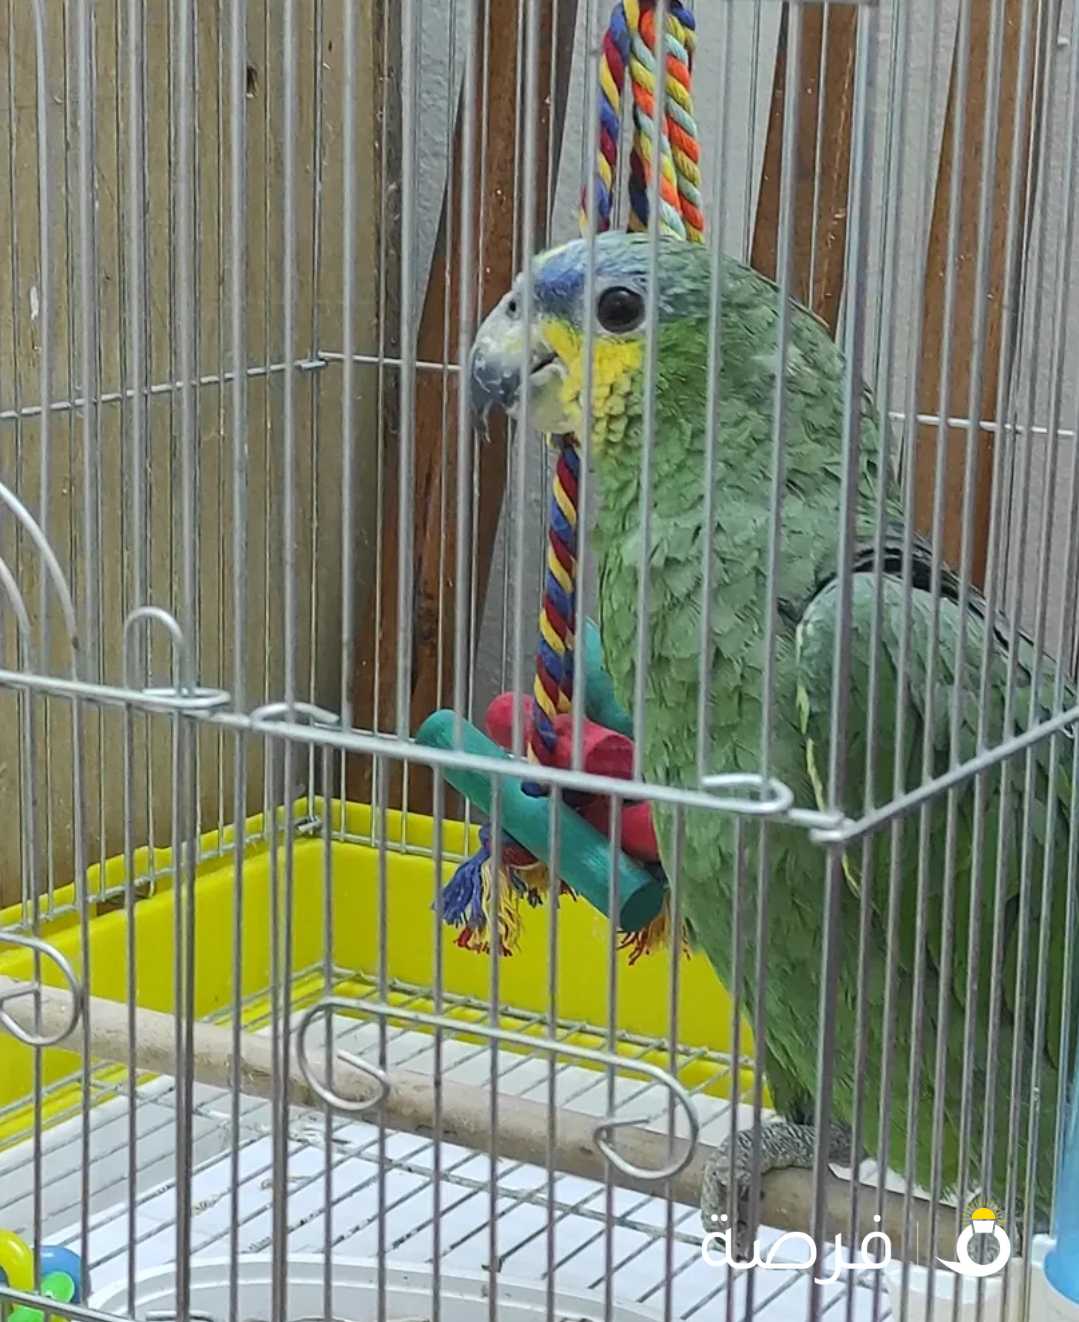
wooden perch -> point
(787, 1196)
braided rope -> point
(614, 57)
(630, 43)
(553, 687)
(476, 895)
(680, 175)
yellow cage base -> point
(704, 1009)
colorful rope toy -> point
(474, 891)
(61, 1276)
(630, 42)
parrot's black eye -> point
(511, 306)
(620, 310)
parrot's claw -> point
(783, 1144)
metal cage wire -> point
(220, 225)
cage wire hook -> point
(22, 615)
(422, 1019)
(349, 1105)
(181, 696)
(779, 800)
(277, 711)
(52, 568)
(43, 948)
(605, 1127)
(26, 735)
(272, 713)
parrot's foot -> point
(783, 1144)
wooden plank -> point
(1008, 97)
(28, 323)
(817, 260)
(434, 617)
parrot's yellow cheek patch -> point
(616, 364)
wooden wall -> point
(114, 472)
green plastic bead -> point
(58, 1286)
(24, 1314)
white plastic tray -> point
(464, 1298)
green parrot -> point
(927, 1037)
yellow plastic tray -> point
(704, 1012)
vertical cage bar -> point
(649, 392)
(553, 969)
(465, 331)
(348, 348)
(521, 433)
(89, 639)
(407, 370)
(45, 317)
(329, 1051)
(283, 915)
(614, 906)
(927, 824)
(854, 348)
(584, 437)
(31, 878)
(237, 327)
(184, 845)
(437, 1005)
(494, 1007)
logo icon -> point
(983, 1221)
(722, 1239)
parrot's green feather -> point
(965, 993)
(806, 617)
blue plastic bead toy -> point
(61, 1275)
(56, 1258)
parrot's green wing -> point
(913, 722)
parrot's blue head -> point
(547, 353)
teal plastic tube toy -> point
(600, 704)
(584, 854)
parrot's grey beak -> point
(502, 348)
(493, 382)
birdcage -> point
(338, 981)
